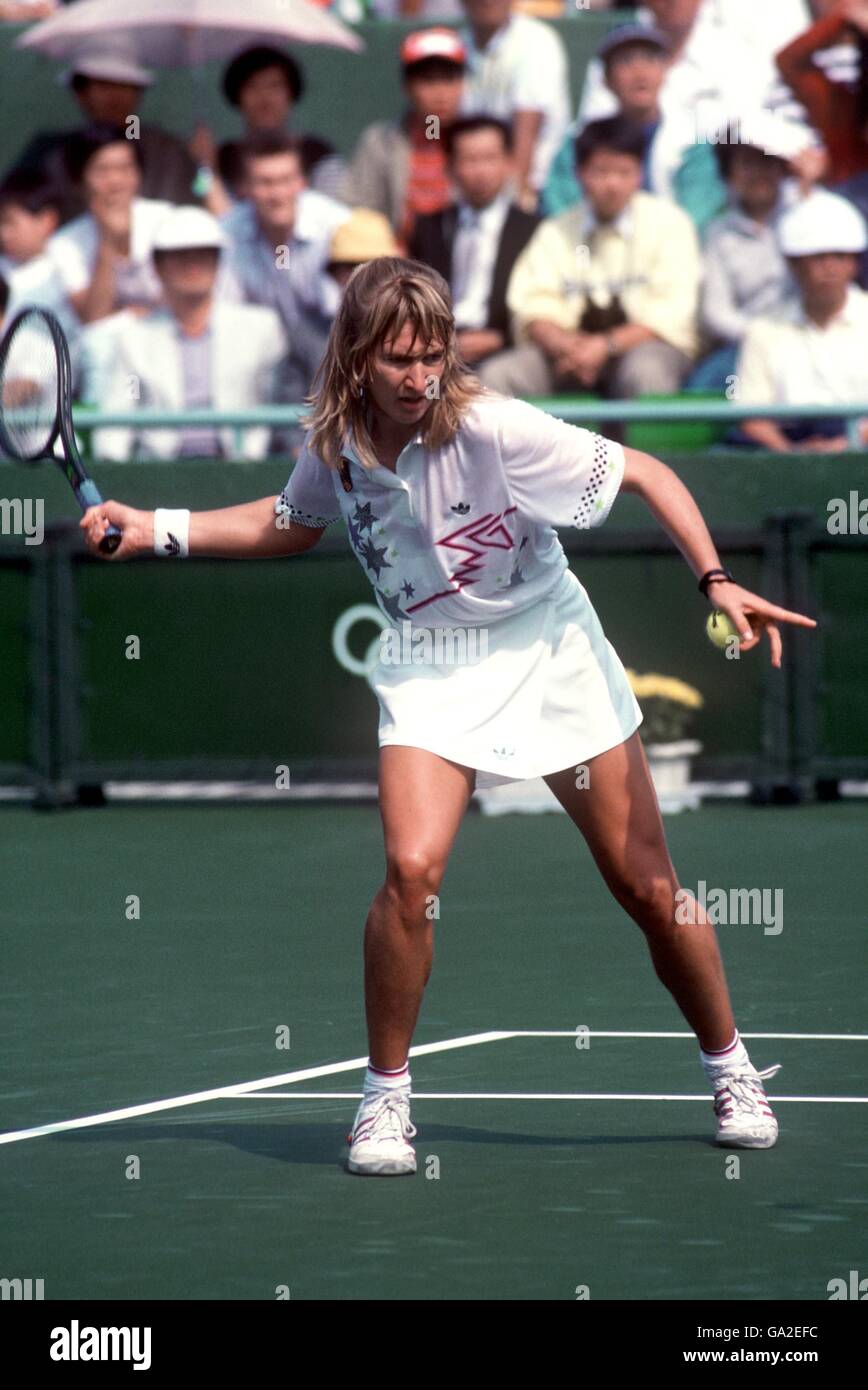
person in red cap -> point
(400, 168)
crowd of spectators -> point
(698, 223)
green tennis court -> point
(249, 936)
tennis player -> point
(450, 495)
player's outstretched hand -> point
(752, 616)
(137, 527)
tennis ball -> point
(719, 629)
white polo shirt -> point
(74, 249)
(465, 534)
(787, 359)
(523, 67)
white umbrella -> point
(185, 33)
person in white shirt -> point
(29, 216)
(103, 258)
(450, 496)
(475, 242)
(813, 350)
(194, 353)
(517, 69)
(716, 73)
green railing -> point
(237, 672)
(675, 410)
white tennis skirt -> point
(548, 693)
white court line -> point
(592, 1033)
(221, 1092)
(541, 1095)
(333, 1068)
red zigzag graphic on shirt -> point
(475, 538)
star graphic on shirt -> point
(408, 588)
(391, 604)
(373, 558)
(364, 516)
(354, 533)
(516, 578)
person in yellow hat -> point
(364, 236)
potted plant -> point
(668, 705)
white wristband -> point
(171, 533)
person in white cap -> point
(108, 84)
(196, 352)
(813, 350)
(450, 496)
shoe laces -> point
(745, 1088)
(387, 1117)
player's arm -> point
(250, 531)
(673, 505)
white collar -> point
(304, 228)
(745, 223)
(623, 224)
(491, 213)
(848, 315)
(496, 41)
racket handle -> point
(89, 495)
(111, 540)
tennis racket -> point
(36, 405)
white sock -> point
(731, 1058)
(378, 1079)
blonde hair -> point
(380, 299)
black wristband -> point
(712, 576)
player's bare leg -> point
(619, 817)
(422, 802)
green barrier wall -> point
(237, 672)
(345, 91)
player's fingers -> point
(741, 624)
(774, 635)
(96, 529)
(781, 615)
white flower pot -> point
(670, 769)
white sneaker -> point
(744, 1116)
(378, 1142)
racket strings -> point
(29, 389)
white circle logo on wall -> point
(360, 612)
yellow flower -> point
(655, 687)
